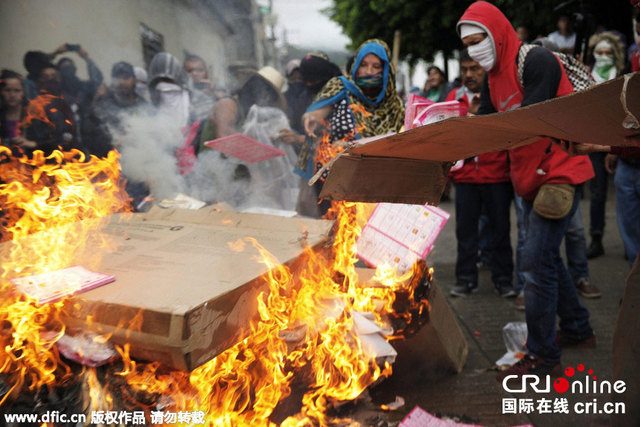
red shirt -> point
(488, 168)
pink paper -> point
(418, 417)
(244, 148)
(56, 285)
(415, 105)
(440, 111)
(399, 234)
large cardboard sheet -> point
(594, 116)
(187, 282)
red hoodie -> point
(488, 168)
(540, 162)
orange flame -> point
(305, 333)
(43, 199)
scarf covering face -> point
(354, 115)
(374, 117)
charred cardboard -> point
(183, 294)
(406, 168)
(438, 347)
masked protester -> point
(542, 174)
(482, 185)
(609, 59)
(361, 105)
(168, 88)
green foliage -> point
(428, 26)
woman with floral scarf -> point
(364, 104)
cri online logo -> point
(588, 384)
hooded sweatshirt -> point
(540, 162)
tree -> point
(428, 26)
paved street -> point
(475, 395)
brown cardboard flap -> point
(377, 179)
(381, 171)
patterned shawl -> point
(354, 115)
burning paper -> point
(53, 286)
(244, 148)
(399, 235)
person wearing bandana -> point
(542, 174)
(364, 104)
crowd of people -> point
(324, 107)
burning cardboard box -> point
(187, 282)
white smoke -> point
(148, 149)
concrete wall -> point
(109, 31)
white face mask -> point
(603, 60)
(483, 53)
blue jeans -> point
(470, 201)
(519, 202)
(598, 186)
(627, 183)
(548, 289)
(576, 248)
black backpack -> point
(578, 74)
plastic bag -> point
(515, 339)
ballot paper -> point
(418, 417)
(398, 234)
(440, 111)
(55, 285)
(415, 105)
(244, 148)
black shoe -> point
(595, 249)
(462, 289)
(506, 290)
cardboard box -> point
(439, 347)
(405, 167)
(187, 283)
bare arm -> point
(224, 115)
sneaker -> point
(567, 340)
(519, 301)
(586, 289)
(506, 290)
(462, 289)
(532, 365)
(595, 249)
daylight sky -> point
(306, 26)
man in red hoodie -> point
(482, 185)
(549, 291)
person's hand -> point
(310, 125)
(290, 137)
(83, 53)
(23, 142)
(610, 163)
(474, 105)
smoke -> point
(148, 148)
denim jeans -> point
(519, 203)
(576, 248)
(548, 289)
(627, 183)
(470, 199)
(598, 187)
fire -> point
(43, 199)
(303, 350)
